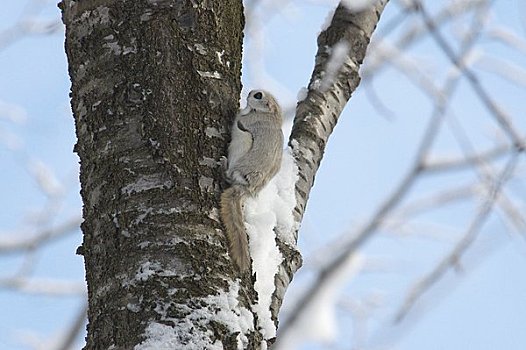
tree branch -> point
(341, 50)
(16, 244)
(469, 237)
(499, 115)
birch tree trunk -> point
(155, 86)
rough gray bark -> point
(155, 85)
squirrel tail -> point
(232, 215)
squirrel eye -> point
(258, 95)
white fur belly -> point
(239, 146)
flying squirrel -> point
(254, 157)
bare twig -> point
(467, 161)
(43, 286)
(408, 66)
(471, 234)
(16, 243)
(504, 69)
(72, 332)
(500, 115)
(417, 32)
(436, 200)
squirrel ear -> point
(272, 107)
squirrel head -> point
(262, 101)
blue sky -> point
(483, 308)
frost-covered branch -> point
(458, 163)
(67, 339)
(50, 287)
(29, 24)
(435, 200)
(453, 258)
(18, 242)
(501, 117)
(22, 281)
(415, 33)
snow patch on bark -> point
(338, 55)
(302, 94)
(213, 132)
(213, 75)
(145, 183)
(220, 56)
(328, 20)
(358, 5)
(206, 184)
(90, 19)
(223, 308)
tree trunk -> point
(155, 85)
